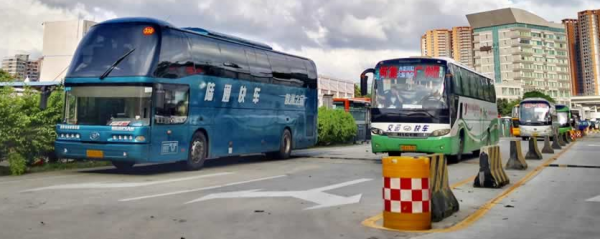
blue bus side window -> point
(175, 60)
(206, 55)
(235, 63)
(260, 68)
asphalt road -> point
(320, 193)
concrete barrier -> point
(547, 148)
(555, 144)
(534, 151)
(561, 140)
(406, 194)
(491, 173)
(516, 160)
(443, 201)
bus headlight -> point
(376, 131)
(440, 132)
(140, 138)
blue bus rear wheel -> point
(285, 146)
(197, 152)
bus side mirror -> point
(363, 81)
(159, 97)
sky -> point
(343, 37)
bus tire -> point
(197, 152)
(123, 166)
(461, 148)
(395, 154)
(476, 153)
(285, 146)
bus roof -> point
(198, 31)
(137, 20)
(361, 100)
(536, 100)
(562, 108)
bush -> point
(17, 162)
(24, 128)
(335, 126)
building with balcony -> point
(437, 43)
(456, 43)
(583, 35)
(21, 67)
(462, 45)
(522, 52)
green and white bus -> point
(537, 118)
(430, 105)
(563, 114)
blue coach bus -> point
(141, 90)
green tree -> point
(357, 91)
(26, 131)
(335, 126)
(505, 106)
(537, 94)
(5, 77)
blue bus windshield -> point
(105, 43)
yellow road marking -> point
(372, 221)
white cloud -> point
(348, 63)
(369, 27)
(343, 37)
(21, 23)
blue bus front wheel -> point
(197, 152)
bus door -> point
(170, 131)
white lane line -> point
(340, 185)
(316, 195)
(199, 189)
(123, 185)
(593, 145)
(38, 178)
(594, 199)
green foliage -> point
(24, 128)
(17, 163)
(335, 126)
(505, 106)
(537, 94)
(357, 91)
(5, 77)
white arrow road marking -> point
(199, 189)
(594, 199)
(123, 185)
(316, 195)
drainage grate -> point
(572, 166)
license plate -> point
(95, 154)
(408, 147)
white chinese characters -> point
(293, 99)
(241, 97)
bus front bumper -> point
(109, 152)
(538, 131)
(384, 144)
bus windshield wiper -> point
(112, 67)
